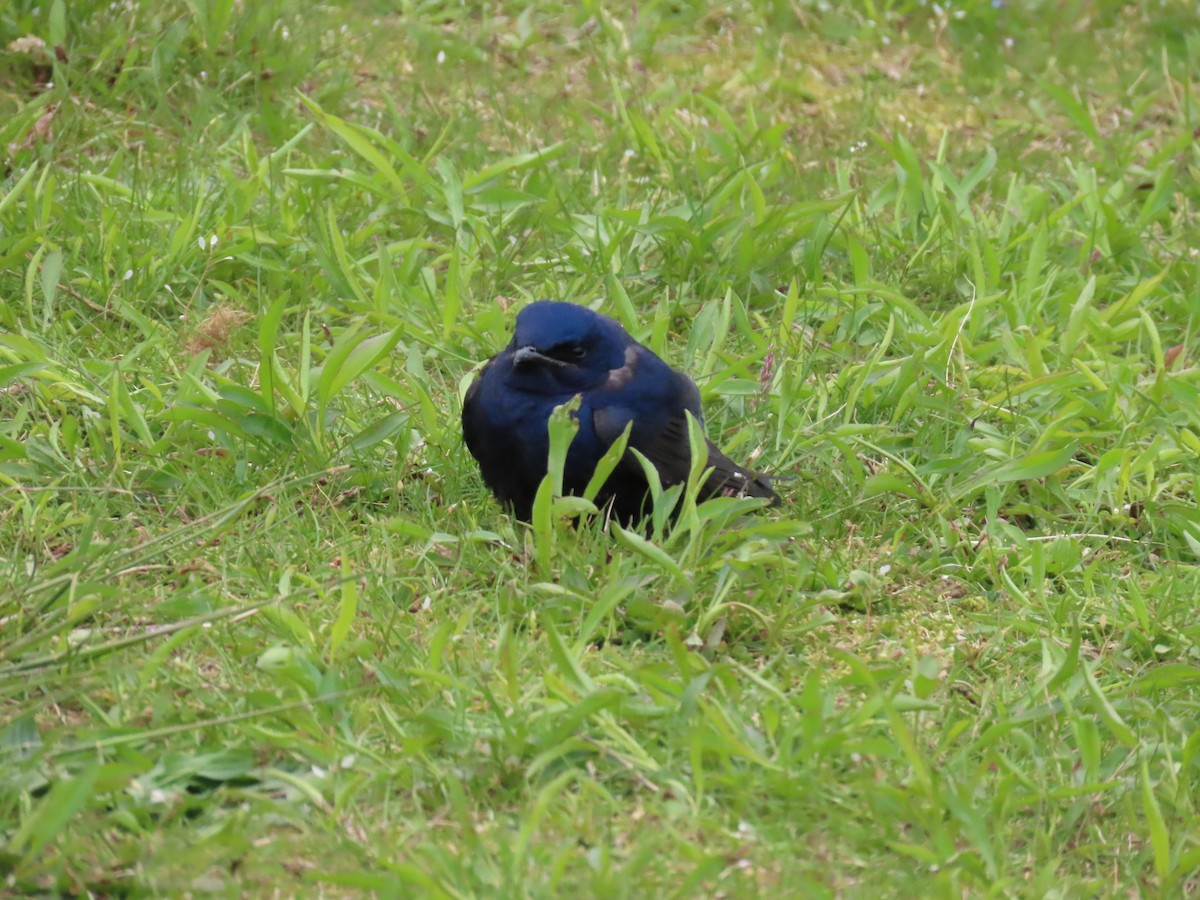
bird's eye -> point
(568, 354)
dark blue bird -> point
(559, 350)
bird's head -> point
(561, 346)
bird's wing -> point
(669, 449)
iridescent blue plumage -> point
(559, 350)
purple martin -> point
(558, 351)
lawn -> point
(264, 631)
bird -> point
(559, 350)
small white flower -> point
(630, 153)
(212, 241)
(348, 761)
(203, 75)
(128, 274)
(200, 241)
(884, 569)
(1008, 42)
(426, 603)
(441, 57)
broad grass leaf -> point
(358, 141)
(1107, 714)
(1160, 837)
(268, 335)
(650, 551)
(65, 798)
(352, 354)
(347, 608)
(14, 373)
(474, 182)
(608, 462)
(19, 187)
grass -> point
(266, 631)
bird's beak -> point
(529, 356)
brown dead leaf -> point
(41, 132)
(216, 329)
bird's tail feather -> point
(729, 479)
